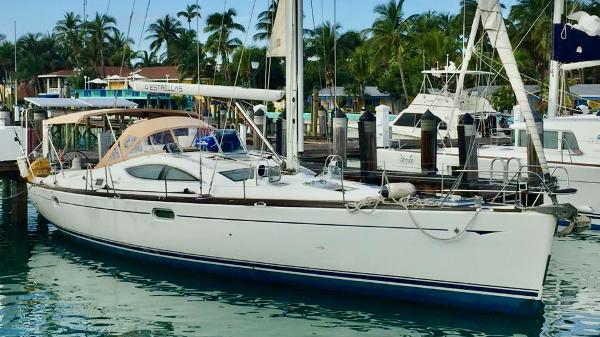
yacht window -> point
(570, 143)
(551, 140)
(177, 175)
(151, 171)
(522, 138)
(239, 174)
(408, 119)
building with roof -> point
(585, 94)
(373, 97)
(113, 84)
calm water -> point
(49, 287)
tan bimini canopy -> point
(137, 141)
(80, 117)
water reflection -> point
(50, 286)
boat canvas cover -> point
(80, 117)
(578, 42)
(99, 102)
(132, 141)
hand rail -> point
(330, 160)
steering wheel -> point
(68, 156)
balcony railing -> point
(121, 93)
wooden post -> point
(340, 134)
(315, 112)
(367, 143)
(260, 119)
(428, 143)
(18, 214)
(467, 149)
(533, 162)
(280, 133)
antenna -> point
(16, 107)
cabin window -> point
(159, 172)
(238, 174)
(570, 143)
(172, 173)
(408, 119)
(522, 138)
(151, 172)
(551, 140)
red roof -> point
(158, 73)
(60, 73)
(152, 73)
(110, 71)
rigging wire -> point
(221, 33)
(239, 67)
(125, 43)
(143, 26)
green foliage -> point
(390, 54)
(503, 99)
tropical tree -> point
(163, 32)
(119, 49)
(388, 36)
(146, 59)
(266, 19)
(242, 62)
(190, 12)
(68, 31)
(221, 42)
(360, 67)
(532, 23)
(100, 30)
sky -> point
(42, 15)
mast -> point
(293, 74)
(493, 24)
(16, 105)
(554, 65)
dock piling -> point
(340, 134)
(428, 143)
(467, 149)
(367, 143)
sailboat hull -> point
(497, 264)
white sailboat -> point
(226, 210)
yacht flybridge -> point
(175, 190)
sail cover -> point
(577, 42)
(220, 91)
(277, 40)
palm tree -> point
(190, 12)
(69, 34)
(432, 34)
(119, 49)
(100, 30)
(146, 59)
(388, 36)
(360, 67)
(538, 40)
(320, 45)
(163, 32)
(221, 42)
(242, 60)
(265, 23)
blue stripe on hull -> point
(495, 303)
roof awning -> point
(98, 81)
(80, 117)
(47, 102)
(96, 102)
(108, 102)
